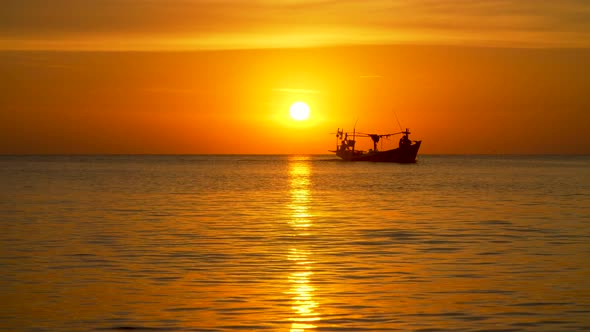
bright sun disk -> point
(299, 111)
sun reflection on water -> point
(302, 291)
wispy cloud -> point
(297, 91)
(177, 91)
(184, 24)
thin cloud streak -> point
(162, 90)
(297, 91)
(231, 24)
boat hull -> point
(404, 155)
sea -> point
(296, 243)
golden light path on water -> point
(304, 306)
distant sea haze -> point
(294, 243)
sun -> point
(299, 111)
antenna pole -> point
(400, 126)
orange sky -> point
(136, 76)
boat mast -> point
(353, 141)
(353, 135)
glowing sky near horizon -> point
(212, 76)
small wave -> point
(136, 328)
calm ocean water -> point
(294, 243)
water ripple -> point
(294, 243)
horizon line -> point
(507, 46)
(272, 154)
